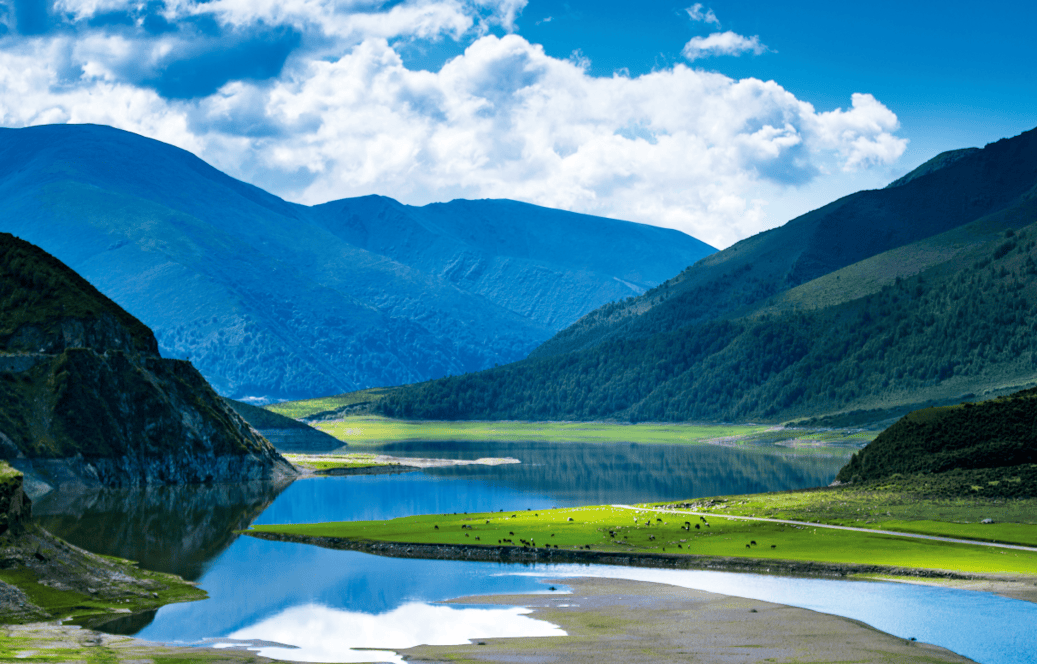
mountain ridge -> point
(85, 398)
(273, 299)
(738, 337)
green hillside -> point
(990, 447)
(84, 395)
(949, 317)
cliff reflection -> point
(176, 529)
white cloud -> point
(722, 43)
(678, 147)
(695, 13)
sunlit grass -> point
(377, 430)
(875, 507)
(307, 407)
(611, 529)
(323, 462)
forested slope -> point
(946, 193)
(950, 317)
(990, 447)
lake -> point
(327, 602)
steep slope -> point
(989, 447)
(941, 319)
(958, 189)
(46, 578)
(277, 300)
(86, 399)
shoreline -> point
(1008, 585)
(619, 620)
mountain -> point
(987, 448)
(871, 306)
(276, 300)
(86, 399)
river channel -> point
(304, 603)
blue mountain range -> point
(273, 300)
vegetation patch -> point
(370, 430)
(52, 643)
(643, 531)
(328, 406)
(900, 507)
(323, 463)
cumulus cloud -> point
(678, 147)
(722, 43)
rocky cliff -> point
(86, 399)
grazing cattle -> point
(510, 533)
(747, 546)
(774, 546)
(436, 527)
(697, 527)
(651, 537)
(753, 542)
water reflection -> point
(600, 473)
(176, 529)
(981, 626)
(324, 634)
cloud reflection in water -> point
(325, 634)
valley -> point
(488, 397)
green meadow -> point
(309, 407)
(326, 462)
(371, 430)
(897, 507)
(613, 529)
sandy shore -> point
(622, 621)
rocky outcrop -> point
(15, 506)
(85, 398)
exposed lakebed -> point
(259, 589)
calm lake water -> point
(326, 602)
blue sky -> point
(720, 119)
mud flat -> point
(609, 620)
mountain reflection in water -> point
(175, 529)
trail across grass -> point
(901, 507)
(615, 529)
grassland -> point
(327, 405)
(371, 430)
(624, 530)
(324, 463)
(53, 643)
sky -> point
(721, 119)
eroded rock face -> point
(15, 506)
(85, 398)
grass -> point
(77, 606)
(308, 407)
(611, 529)
(371, 430)
(325, 462)
(895, 507)
(52, 643)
